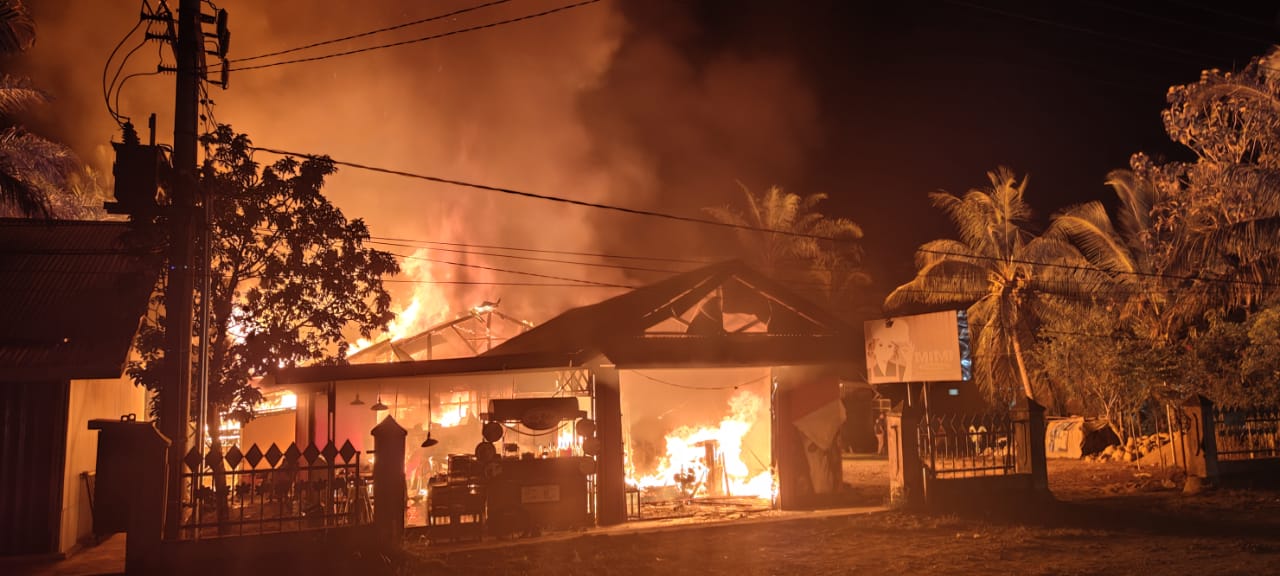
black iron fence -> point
(1247, 434)
(273, 490)
(966, 445)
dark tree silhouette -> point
(291, 275)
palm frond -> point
(39, 158)
(17, 28)
(1089, 227)
(23, 198)
(17, 94)
(1137, 197)
(942, 282)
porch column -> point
(611, 484)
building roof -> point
(720, 315)
(724, 313)
(73, 296)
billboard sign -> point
(930, 347)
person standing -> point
(881, 435)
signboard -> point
(930, 347)
(541, 493)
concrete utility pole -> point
(175, 399)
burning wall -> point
(672, 416)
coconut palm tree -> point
(811, 247)
(1134, 252)
(30, 166)
(1000, 271)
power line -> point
(120, 87)
(1177, 22)
(1086, 31)
(1208, 8)
(513, 192)
(545, 251)
(372, 32)
(417, 40)
(520, 284)
(1076, 268)
(534, 258)
(651, 213)
(688, 387)
(106, 91)
(508, 271)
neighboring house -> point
(72, 295)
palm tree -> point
(30, 166)
(1135, 253)
(811, 245)
(1000, 271)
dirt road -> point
(1108, 519)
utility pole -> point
(175, 399)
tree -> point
(1096, 365)
(290, 275)
(31, 168)
(1000, 271)
(834, 266)
(1235, 361)
(1226, 203)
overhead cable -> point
(372, 32)
(414, 40)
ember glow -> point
(687, 465)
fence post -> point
(1028, 443)
(389, 498)
(1200, 444)
(906, 475)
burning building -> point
(714, 383)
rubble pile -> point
(1135, 449)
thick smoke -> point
(604, 103)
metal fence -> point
(966, 445)
(274, 491)
(1247, 434)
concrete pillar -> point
(611, 479)
(906, 474)
(389, 490)
(1028, 443)
(133, 457)
(1200, 443)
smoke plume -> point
(611, 102)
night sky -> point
(925, 95)
(667, 105)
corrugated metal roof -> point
(71, 297)
(616, 327)
(799, 332)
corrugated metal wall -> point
(33, 425)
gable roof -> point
(622, 329)
(686, 320)
(71, 298)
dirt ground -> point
(1106, 518)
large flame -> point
(687, 450)
(453, 410)
(428, 304)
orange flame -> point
(687, 454)
(454, 408)
(428, 305)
